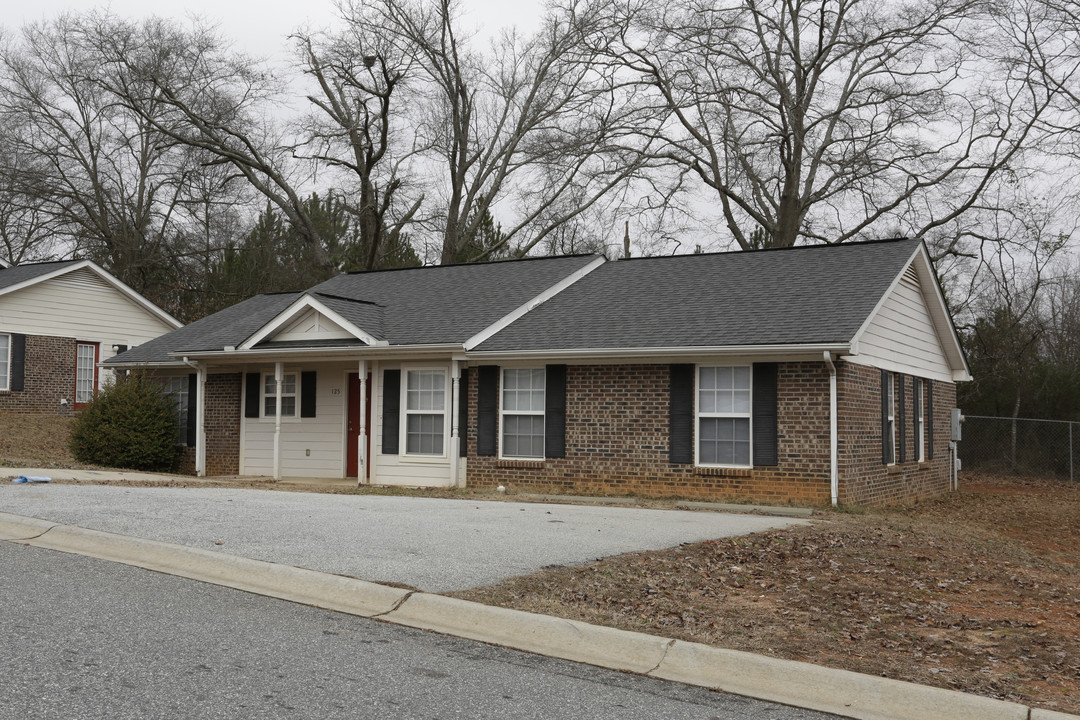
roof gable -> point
(18, 277)
(306, 318)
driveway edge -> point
(840, 692)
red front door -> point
(352, 468)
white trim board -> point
(293, 311)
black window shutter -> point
(487, 409)
(681, 431)
(555, 412)
(916, 398)
(252, 395)
(764, 414)
(309, 390)
(463, 412)
(886, 447)
(192, 408)
(900, 422)
(391, 411)
(18, 361)
(120, 349)
(929, 419)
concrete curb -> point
(554, 637)
(17, 527)
(332, 592)
(778, 510)
(840, 692)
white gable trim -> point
(936, 307)
(543, 297)
(107, 277)
(293, 312)
(4, 263)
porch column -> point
(277, 420)
(200, 421)
(455, 446)
(361, 438)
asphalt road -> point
(432, 544)
(83, 638)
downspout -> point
(200, 417)
(455, 395)
(362, 435)
(834, 473)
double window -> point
(288, 395)
(522, 412)
(723, 416)
(425, 412)
(5, 362)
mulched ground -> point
(978, 591)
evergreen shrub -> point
(130, 424)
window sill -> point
(724, 471)
(524, 464)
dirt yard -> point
(979, 591)
(35, 441)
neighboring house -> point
(809, 374)
(58, 322)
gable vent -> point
(911, 276)
(81, 278)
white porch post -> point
(361, 439)
(200, 422)
(277, 420)
(455, 446)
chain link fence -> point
(1025, 447)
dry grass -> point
(36, 441)
(978, 591)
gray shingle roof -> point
(231, 326)
(416, 306)
(21, 273)
(819, 294)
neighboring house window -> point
(920, 419)
(288, 395)
(890, 418)
(723, 416)
(176, 390)
(522, 412)
(5, 362)
(86, 372)
(425, 411)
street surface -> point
(435, 545)
(83, 638)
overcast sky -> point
(260, 28)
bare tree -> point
(828, 120)
(523, 131)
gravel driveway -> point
(435, 545)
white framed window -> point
(86, 372)
(521, 412)
(288, 395)
(176, 390)
(890, 417)
(424, 419)
(723, 416)
(5, 361)
(920, 419)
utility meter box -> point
(957, 421)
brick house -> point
(58, 322)
(812, 374)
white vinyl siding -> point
(5, 361)
(723, 416)
(424, 412)
(289, 395)
(80, 305)
(310, 447)
(311, 325)
(902, 336)
(521, 413)
(85, 372)
(401, 469)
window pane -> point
(269, 386)
(724, 441)
(523, 436)
(269, 406)
(723, 378)
(288, 384)
(288, 406)
(741, 378)
(741, 402)
(424, 434)
(84, 373)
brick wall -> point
(864, 479)
(617, 419)
(49, 376)
(223, 423)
